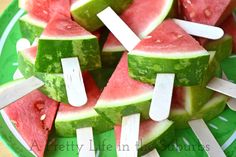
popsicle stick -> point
(162, 96)
(22, 44)
(200, 30)
(10, 94)
(223, 87)
(153, 153)
(85, 142)
(129, 135)
(74, 82)
(206, 138)
(231, 102)
(118, 27)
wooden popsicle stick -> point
(205, 137)
(85, 141)
(22, 44)
(10, 94)
(118, 27)
(200, 30)
(129, 135)
(74, 81)
(162, 96)
(153, 153)
(231, 103)
(223, 87)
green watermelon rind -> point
(111, 59)
(31, 28)
(86, 13)
(66, 124)
(115, 110)
(159, 138)
(189, 69)
(86, 48)
(210, 110)
(54, 83)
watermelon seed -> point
(158, 41)
(45, 12)
(39, 106)
(192, 14)
(207, 12)
(43, 117)
(148, 37)
(69, 27)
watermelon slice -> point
(207, 11)
(151, 135)
(229, 27)
(142, 24)
(123, 95)
(54, 83)
(33, 117)
(169, 49)
(70, 118)
(64, 38)
(209, 111)
(85, 12)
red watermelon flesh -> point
(33, 116)
(121, 86)
(61, 25)
(93, 93)
(211, 12)
(229, 27)
(169, 38)
(141, 21)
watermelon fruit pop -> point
(142, 24)
(32, 117)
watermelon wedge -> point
(142, 24)
(70, 118)
(85, 12)
(210, 110)
(54, 83)
(229, 26)
(169, 49)
(63, 38)
(151, 135)
(123, 95)
(33, 117)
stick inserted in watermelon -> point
(206, 138)
(153, 153)
(74, 81)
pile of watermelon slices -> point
(116, 82)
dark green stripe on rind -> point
(114, 113)
(54, 83)
(110, 59)
(188, 71)
(67, 127)
(86, 15)
(30, 31)
(159, 142)
(50, 52)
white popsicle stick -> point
(118, 27)
(162, 96)
(200, 30)
(22, 44)
(85, 141)
(223, 86)
(10, 94)
(74, 81)
(153, 153)
(231, 102)
(206, 138)
(129, 135)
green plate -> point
(186, 143)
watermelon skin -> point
(189, 71)
(87, 50)
(70, 118)
(111, 58)
(210, 110)
(151, 135)
(54, 83)
(223, 47)
(30, 27)
(26, 113)
(86, 14)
